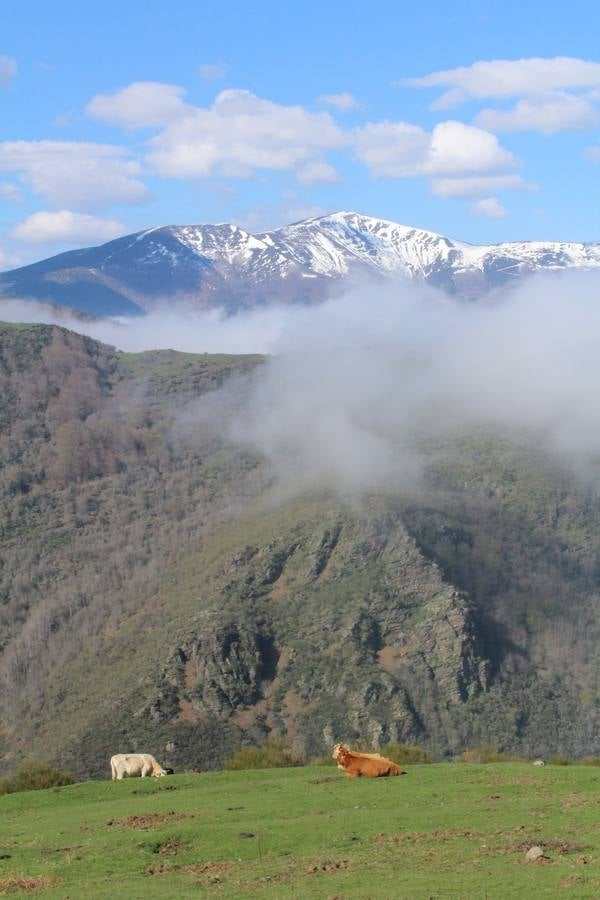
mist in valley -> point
(359, 392)
(351, 389)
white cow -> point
(131, 765)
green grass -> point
(441, 831)
(173, 363)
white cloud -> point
(547, 113)
(343, 101)
(74, 174)
(143, 104)
(10, 192)
(401, 150)
(490, 207)
(392, 149)
(479, 185)
(510, 78)
(447, 100)
(213, 71)
(66, 227)
(593, 153)
(8, 70)
(269, 216)
(240, 134)
(317, 172)
(458, 148)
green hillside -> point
(160, 590)
(441, 831)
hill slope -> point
(158, 592)
(223, 265)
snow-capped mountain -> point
(223, 265)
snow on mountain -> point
(223, 265)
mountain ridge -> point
(222, 265)
(160, 591)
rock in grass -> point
(534, 854)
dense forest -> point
(159, 592)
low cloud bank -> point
(179, 327)
(353, 385)
(358, 384)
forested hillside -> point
(158, 593)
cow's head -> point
(159, 773)
(339, 750)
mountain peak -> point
(223, 265)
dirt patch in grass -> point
(554, 845)
(580, 881)
(572, 881)
(150, 820)
(327, 865)
(450, 834)
(324, 779)
(168, 848)
(417, 837)
(574, 801)
(206, 868)
(61, 849)
(15, 883)
(276, 879)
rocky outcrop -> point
(228, 668)
(349, 631)
(445, 645)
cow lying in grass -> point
(364, 765)
(132, 765)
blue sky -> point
(119, 118)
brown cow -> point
(342, 747)
(364, 765)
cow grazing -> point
(364, 765)
(133, 765)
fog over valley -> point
(351, 387)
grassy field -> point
(441, 831)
